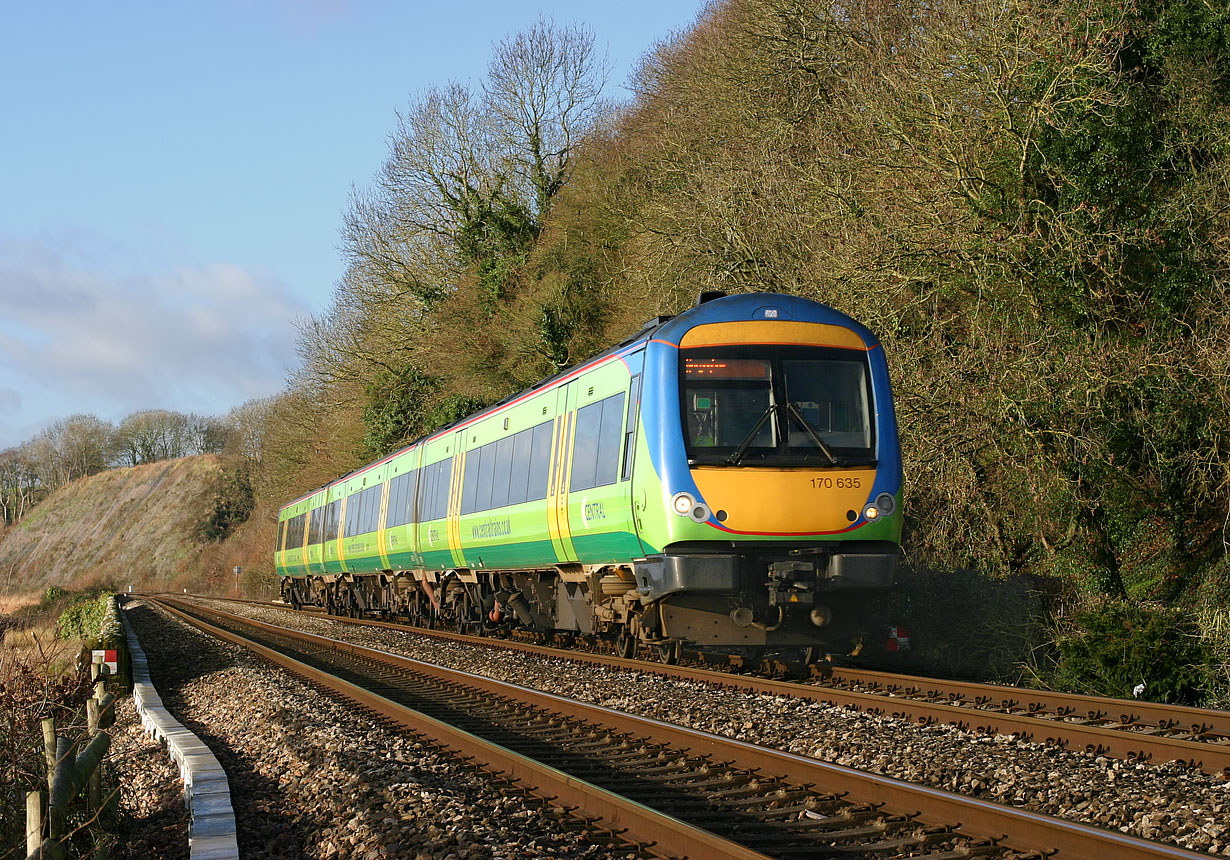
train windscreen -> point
(777, 405)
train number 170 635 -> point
(828, 483)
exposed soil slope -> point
(123, 526)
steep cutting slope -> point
(123, 526)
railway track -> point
(685, 792)
(1127, 729)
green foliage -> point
(1113, 648)
(53, 594)
(395, 410)
(83, 619)
(452, 408)
(233, 502)
(1025, 200)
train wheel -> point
(669, 652)
(625, 645)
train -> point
(727, 477)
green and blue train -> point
(730, 476)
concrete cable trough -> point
(207, 793)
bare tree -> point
(152, 435)
(20, 487)
(543, 92)
(70, 448)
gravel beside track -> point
(152, 820)
(312, 778)
(1166, 802)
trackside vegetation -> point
(1027, 201)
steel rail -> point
(630, 821)
(956, 707)
(1127, 711)
(1013, 828)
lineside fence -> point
(75, 809)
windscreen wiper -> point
(737, 456)
(794, 413)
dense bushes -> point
(1131, 650)
(83, 619)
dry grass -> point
(37, 644)
(10, 604)
(136, 525)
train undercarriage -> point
(804, 599)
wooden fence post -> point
(61, 789)
(95, 779)
(49, 747)
(34, 821)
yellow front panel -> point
(771, 331)
(784, 501)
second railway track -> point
(764, 800)
(1131, 730)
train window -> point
(469, 479)
(610, 434)
(595, 451)
(585, 446)
(433, 494)
(423, 493)
(832, 399)
(397, 490)
(401, 500)
(294, 532)
(444, 484)
(371, 508)
(634, 400)
(331, 519)
(282, 536)
(486, 476)
(540, 461)
(352, 514)
(519, 467)
(439, 487)
(503, 468)
(407, 497)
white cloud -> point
(77, 338)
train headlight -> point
(885, 503)
(871, 512)
(699, 514)
(683, 504)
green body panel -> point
(599, 520)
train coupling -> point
(792, 583)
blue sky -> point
(173, 177)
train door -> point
(382, 537)
(557, 483)
(418, 490)
(454, 499)
(627, 468)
